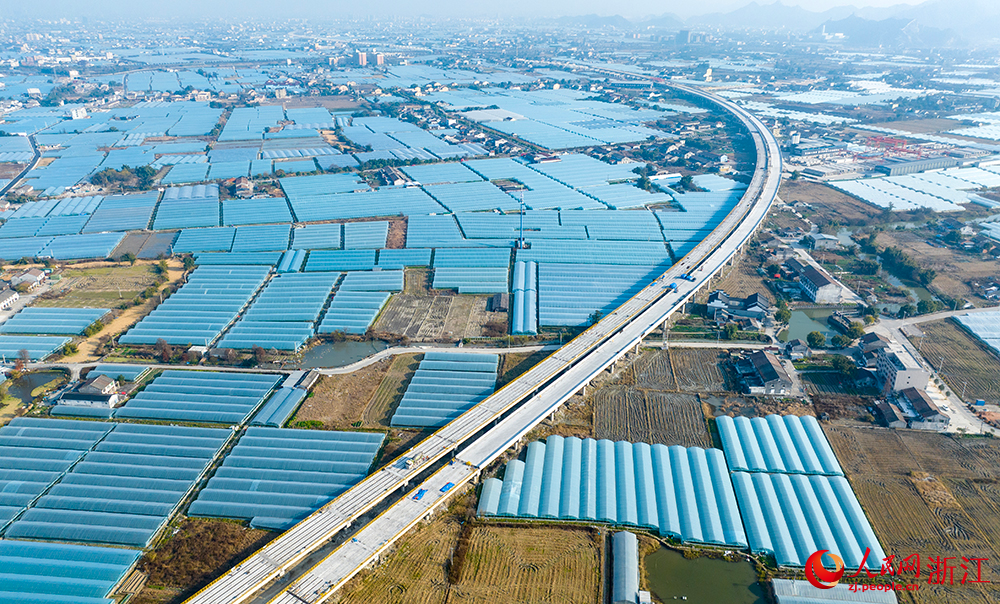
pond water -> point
(338, 354)
(805, 321)
(916, 291)
(21, 387)
(701, 580)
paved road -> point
(75, 368)
(389, 352)
(34, 161)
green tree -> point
(844, 365)
(188, 263)
(128, 257)
(841, 341)
(783, 315)
(816, 339)
(856, 330)
(730, 331)
(925, 307)
(70, 349)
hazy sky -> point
(333, 8)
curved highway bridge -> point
(482, 434)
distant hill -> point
(974, 20)
(770, 16)
(888, 33)
(933, 23)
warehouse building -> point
(894, 167)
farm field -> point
(146, 245)
(386, 397)
(965, 360)
(928, 494)
(698, 370)
(422, 316)
(416, 570)
(104, 285)
(642, 404)
(638, 415)
(500, 564)
(338, 401)
(653, 370)
(828, 204)
(199, 552)
(830, 382)
(527, 564)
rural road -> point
(75, 368)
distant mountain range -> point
(933, 23)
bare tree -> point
(164, 349)
(259, 354)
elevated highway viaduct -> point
(455, 454)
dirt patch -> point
(390, 391)
(397, 443)
(425, 315)
(397, 234)
(516, 363)
(968, 365)
(841, 406)
(828, 204)
(200, 551)
(11, 170)
(8, 409)
(734, 406)
(339, 401)
(743, 280)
